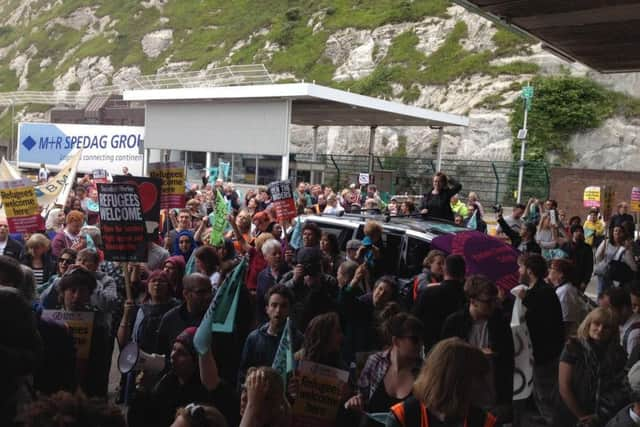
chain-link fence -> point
(494, 181)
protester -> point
(207, 261)
(263, 402)
(8, 246)
(436, 303)
(546, 329)
(55, 222)
(274, 272)
(184, 244)
(630, 414)
(591, 374)
(261, 345)
(194, 415)
(514, 221)
(322, 341)
(475, 221)
(482, 324)
(192, 378)
(331, 252)
(581, 256)
(197, 294)
(432, 272)
(524, 241)
(352, 250)
(573, 306)
(38, 258)
(629, 322)
(621, 216)
(441, 394)
(594, 229)
(70, 236)
(548, 238)
(64, 409)
(437, 202)
(458, 207)
(175, 267)
(388, 376)
(314, 291)
(614, 250)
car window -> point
(417, 249)
(393, 243)
(344, 234)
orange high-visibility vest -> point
(412, 413)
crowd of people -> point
(442, 354)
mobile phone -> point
(554, 217)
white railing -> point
(234, 75)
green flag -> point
(218, 220)
(283, 361)
(226, 300)
(190, 268)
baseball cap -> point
(354, 244)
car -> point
(408, 238)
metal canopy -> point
(311, 104)
(602, 34)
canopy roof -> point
(311, 104)
(602, 34)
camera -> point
(497, 208)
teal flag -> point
(223, 169)
(296, 236)
(190, 268)
(225, 304)
(213, 175)
(473, 222)
(218, 220)
(283, 361)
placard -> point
(80, 324)
(100, 176)
(21, 206)
(320, 393)
(635, 199)
(282, 197)
(173, 179)
(149, 190)
(591, 198)
(363, 178)
(122, 224)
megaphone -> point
(133, 359)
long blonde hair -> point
(604, 316)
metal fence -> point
(494, 181)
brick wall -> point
(567, 186)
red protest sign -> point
(282, 197)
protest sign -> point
(173, 179)
(223, 169)
(363, 178)
(218, 220)
(100, 176)
(149, 190)
(122, 223)
(591, 198)
(21, 206)
(213, 174)
(319, 394)
(283, 203)
(80, 324)
(635, 199)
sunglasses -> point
(66, 260)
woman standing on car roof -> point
(436, 203)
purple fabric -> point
(483, 255)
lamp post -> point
(527, 95)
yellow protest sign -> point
(319, 394)
(591, 198)
(173, 181)
(635, 199)
(80, 324)
(21, 206)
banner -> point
(635, 199)
(102, 146)
(21, 206)
(483, 255)
(56, 190)
(8, 172)
(173, 179)
(80, 324)
(320, 392)
(218, 220)
(591, 197)
(295, 241)
(283, 360)
(523, 351)
(149, 190)
(282, 197)
(122, 223)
